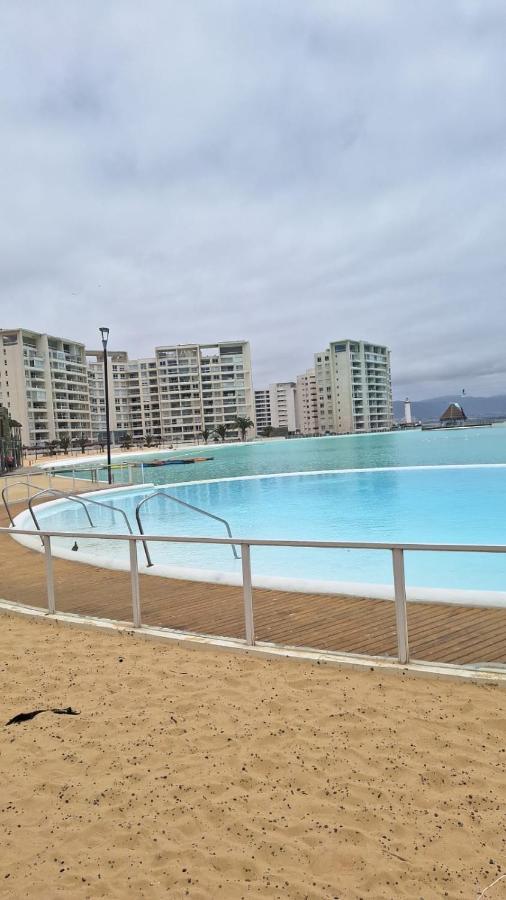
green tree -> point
(268, 431)
(65, 443)
(242, 423)
(53, 445)
(221, 431)
(149, 439)
(126, 443)
(82, 443)
(205, 434)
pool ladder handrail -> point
(82, 500)
(6, 489)
(188, 506)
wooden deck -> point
(437, 632)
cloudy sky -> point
(287, 172)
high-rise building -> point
(276, 407)
(133, 395)
(282, 406)
(306, 403)
(44, 386)
(354, 388)
(262, 410)
(202, 386)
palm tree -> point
(242, 423)
(82, 443)
(268, 431)
(205, 434)
(221, 431)
(149, 439)
(65, 443)
(126, 443)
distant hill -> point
(474, 407)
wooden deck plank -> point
(438, 632)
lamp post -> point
(105, 337)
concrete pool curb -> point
(479, 674)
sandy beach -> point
(196, 773)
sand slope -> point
(203, 774)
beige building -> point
(306, 403)
(262, 410)
(133, 395)
(43, 384)
(202, 386)
(282, 406)
(354, 388)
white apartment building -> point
(262, 410)
(282, 404)
(43, 384)
(202, 386)
(276, 406)
(306, 403)
(354, 388)
(133, 395)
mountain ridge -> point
(433, 407)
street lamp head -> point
(105, 336)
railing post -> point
(73, 479)
(401, 616)
(50, 478)
(142, 472)
(134, 580)
(51, 604)
(130, 475)
(249, 624)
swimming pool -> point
(456, 504)
(457, 446)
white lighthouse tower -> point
(408, 418)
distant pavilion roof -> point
(453, 413)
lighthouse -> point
(407, 411)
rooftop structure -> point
(453, 415)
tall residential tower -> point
(44, 386)
(354, 388)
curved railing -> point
(83, 501)
(56, 493)
(397, 551)
(26, 482)
(188, 506)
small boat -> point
(175, 462)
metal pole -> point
(134, 579)
(142, 472)
(247, 595)
(51, 604)
(107, 424)
(401, 616)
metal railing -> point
(198, 509)
(26, 482)
(397, 550)
(82, 499)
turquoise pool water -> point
(430, 505)
(410, 448)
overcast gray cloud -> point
(290, 173)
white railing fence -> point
(397, 551)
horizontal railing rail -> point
(395, 548)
